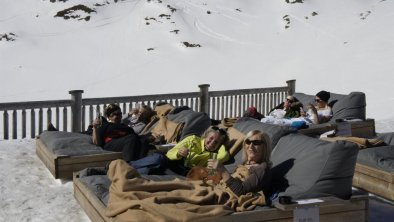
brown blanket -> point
(362, 143)
(133, 198)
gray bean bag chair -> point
(195, 122)
(306, 167)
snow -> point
(338, 46)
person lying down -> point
(316, 113)
(132, 196)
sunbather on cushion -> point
(115, 136)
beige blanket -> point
(133, 198)
(362, 143)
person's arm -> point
(96, 138)
(254, 183)
(180, 150)
(223, 155)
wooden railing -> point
(75, 114)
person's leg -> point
(129, 145)
(156, 162)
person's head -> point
(257, 147)
(252, 113)
(288, 101)
(214, 137)
(113, 113)
(145, 113)
(322, 98)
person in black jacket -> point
(115, 136)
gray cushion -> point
(352, 106)
(378, 157)
(275, 132)
(195, 122)
(305, 167)
(69, 144)
(388, 138)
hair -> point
(148, 113)
(267, 146)
(323, 95)
(223, 140)
(110, 108)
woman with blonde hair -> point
(253, 175)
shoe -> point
(51, 127)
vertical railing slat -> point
(14, 124)
(5, 125)
(91, 114)
(83, 117)
(23, 123)
(40, 121)
(49, 116)
(64, 118)
(57, 117)
(32, 123)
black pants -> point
(129, 145)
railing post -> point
(204, 98)
(76, 110)
(291, 86)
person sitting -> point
(256, 164)
(290, 108)
(138, 118)
(189, 152)
(115, 136)
(321, 112)
(252, 113)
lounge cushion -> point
(388, 138)
(195, 122)
(351, 106)
(378, 157)
(306, 167)
(70, 144)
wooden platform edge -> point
(355, 209)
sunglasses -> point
(254, 142)
(221, 131)
(289, 100)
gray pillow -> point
(275, 132)
(195, 122)
(69, 144)
(388, 138)
(305, 167)
(378, 157)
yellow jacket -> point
(198, 156)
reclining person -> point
(130, 195)
(285, 113)
(189, 152)
(253, 175)
(138, 118)
(321, 112)
(290, 108)
(115, 136)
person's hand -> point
(215, 164)
(261, 165)
(183, 152)
(96, 123)
(302, 112)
